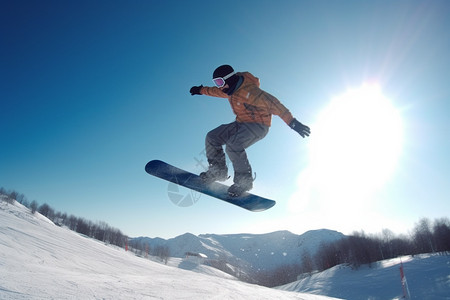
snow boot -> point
(243, 182)
(214, 173)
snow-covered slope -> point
(427, 277)
(249, 251)
(39, 260)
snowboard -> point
(217, 190)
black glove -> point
(195, 90)
(303, 130)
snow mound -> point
(427, 277)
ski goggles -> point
(220, 81)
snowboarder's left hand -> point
(195, 90)
(303, 130)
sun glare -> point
(354, 148)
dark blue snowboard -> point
(220, 191)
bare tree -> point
(13, 195)
(47, 211)
(328, 256)
(307, 264)
(162, 252)
(441, 234)
(33, 206)
(422, 237)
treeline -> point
(11, 196)
(99, 230)
(143, 249)
(359, 248)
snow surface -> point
(39, 260)
(427, 277)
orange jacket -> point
(250, 104)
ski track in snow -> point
(39, 260)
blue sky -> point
(92, 90)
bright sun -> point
(354, 147)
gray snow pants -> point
(236, 137)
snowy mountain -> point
(39, 260)
(251, 252)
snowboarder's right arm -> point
(209, 91)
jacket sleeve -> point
(277, 108)
(213, 91)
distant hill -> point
(249, 251)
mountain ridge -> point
(255, 252)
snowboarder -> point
(253, 108)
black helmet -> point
(225, 72)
